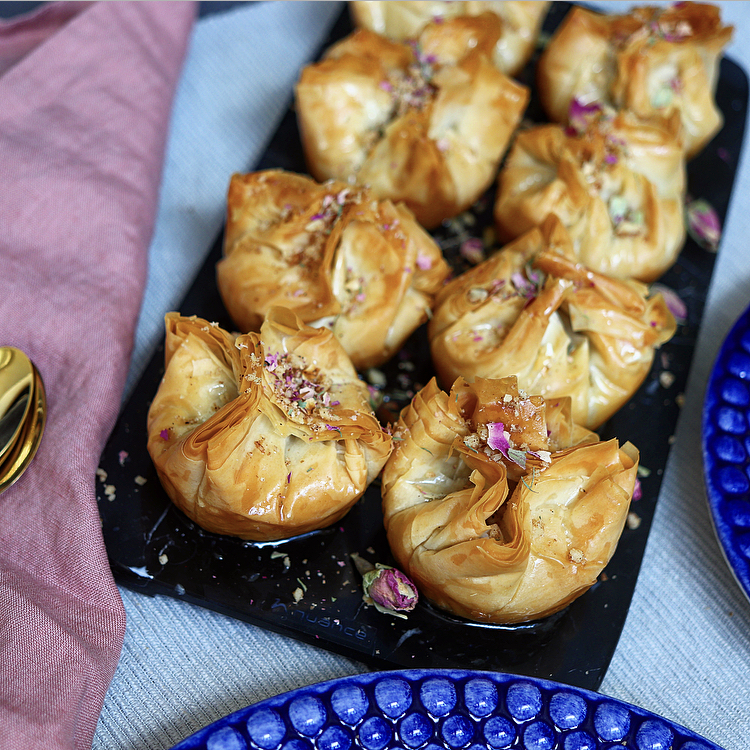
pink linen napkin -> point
(85, 99)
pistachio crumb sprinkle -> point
(303, 392)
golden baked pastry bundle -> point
(655, 61)
(401, 21)
(262, 435)
(425, 122)
(616, 183)
(532, 312)
(497, 505)
(333, 254)
(499, 501)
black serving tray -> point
(155, 549)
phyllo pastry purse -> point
(264, 435)
(401, 21)
(424, 122)
(334, 254)
(497, 505)
(531, 311)
(654, 62)
(616, 182)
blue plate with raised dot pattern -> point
(435, 709)
(726, 448)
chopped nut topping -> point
(477, 295)
(302, 391)
(411, 88)
(576, 556)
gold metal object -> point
(16, 384)
(23, 413)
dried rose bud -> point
(389, 590)
(703, 224)
(674, 302)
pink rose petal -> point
(580, 114)
(472, 250)
(497, 437)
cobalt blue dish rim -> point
(442, 709)
(722, 503)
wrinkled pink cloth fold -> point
(85, 100)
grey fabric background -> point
(684, 651)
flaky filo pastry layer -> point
(334, 254)
(654, 62)
(497, 505)
(425, 122)
(521, 22)
(262, 436)
(618, 185)
(531, 311)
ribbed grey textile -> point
(685, 648)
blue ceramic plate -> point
(434, 709)
(726, 448)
